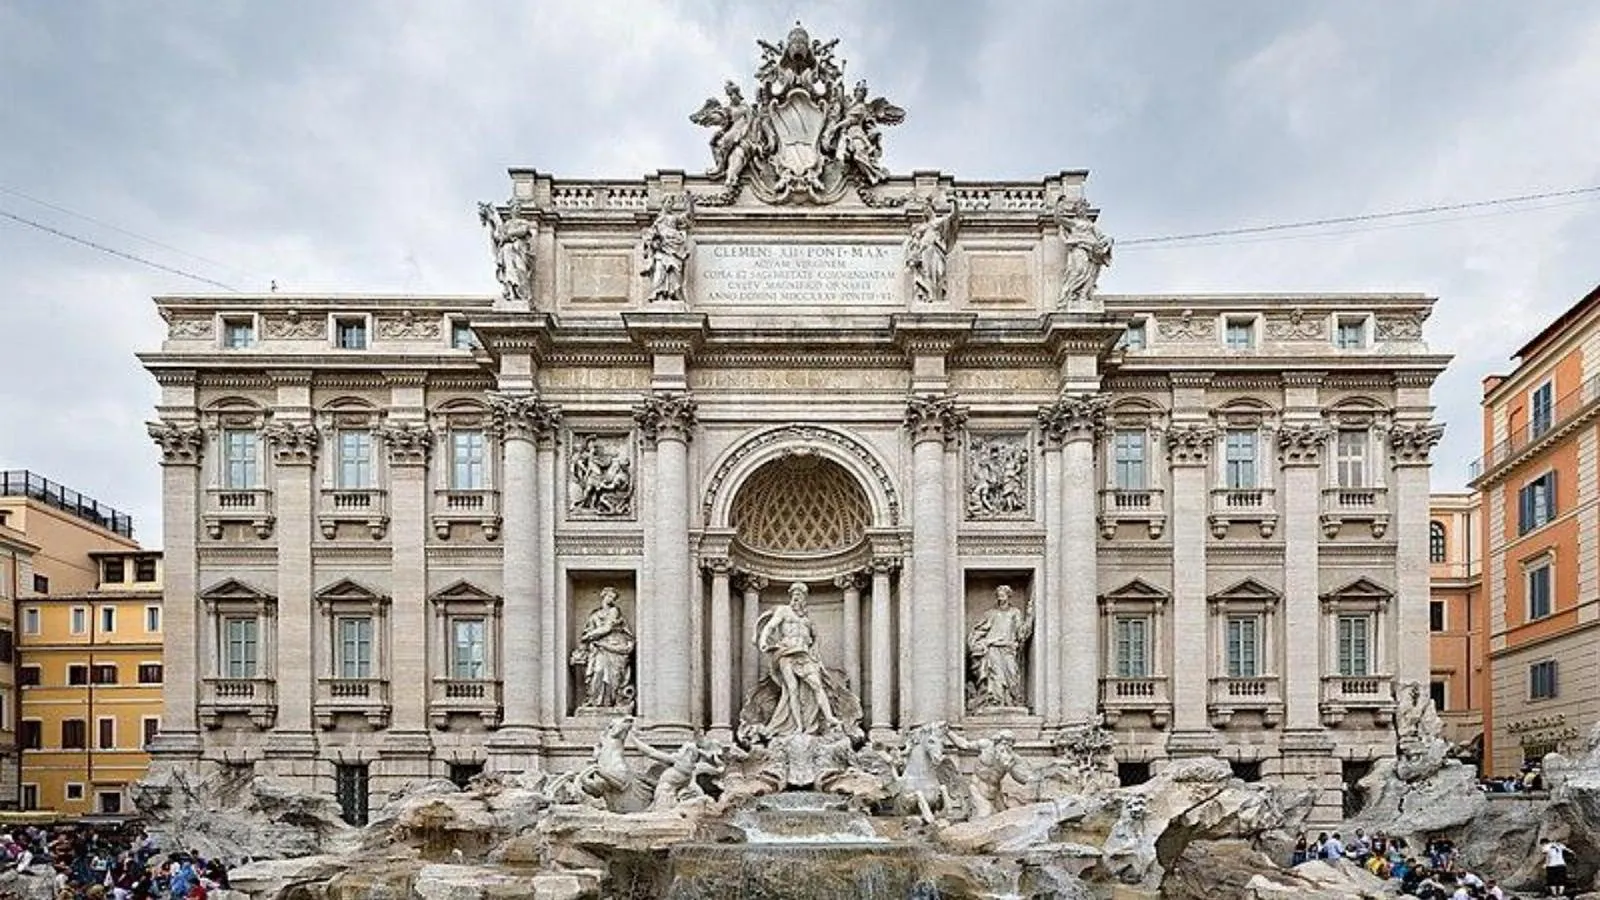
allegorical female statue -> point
(994, 647)
(665, 246)
(928, 250)
(1088, 251)
(605, 650)
(512, 242)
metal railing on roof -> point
(22, 483)
(1565, 409)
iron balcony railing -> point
(1565, 409)
(22, 483)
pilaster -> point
(1074, 423)
(409, 445)
(666, 421)
(880, 705)
(182, 444)
(1411, 446)
(1300, 448)
(294, 446)
(1189, 445)
(933, 421)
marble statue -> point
(1421, 749)
(998, 481)
(994, 647)
(854, 138)
(928, 780)
(680, 781)
(1088, 251)
(928, 251)
(605, 651)
(511, 240)
(788, 635)
(605, 782)
(737, 137)
(602, 477)
(997, 761)
(1085, 760)
(665, 246)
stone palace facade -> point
(422, 536)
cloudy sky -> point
(342, 146)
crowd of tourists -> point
(1529, 780)
(1434, 873)
(90, 862)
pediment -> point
(232, 589)
(1360, 589)
(1248, 590)
(462, 591)
(349, 589)
(1136, 590)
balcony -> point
(225, 506)
(1230, 505)
(476, 507)
(367, 697)
(1567, 410)
(363, 507)
(1343, 694)
(1148, 696)
(1118, 505)
(1341, 505)
(253, 697)
(464, 697)
(1259, 695)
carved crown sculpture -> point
(804, 136)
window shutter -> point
(1555, 680)
(1524, 509)
(1550, 494)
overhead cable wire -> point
(131, 257)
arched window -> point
(1436, 545)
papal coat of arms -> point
(805, 138)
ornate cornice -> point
(175, 377)
(1414, 378)
(666, 415)
(403, 378)
(463, 382)
(290, 377)
(293, 443)
(1304, 379)
(599, 543)
(1022, 357)
(1190, 443)
(522, 417)
(1411, 443)
(235, 380)
(1301, 444)
(409, 444)
(592, 358)
(1190, 379)
(181, 443)
(757, 359)
(1134, 383)
(349, 380)
(1246, 382)
(934, 417)
(1074, 417)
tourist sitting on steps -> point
(1555, 867)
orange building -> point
(1456, 614)
(1541, 542)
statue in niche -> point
(999, 479)
(994, 647)
(1088, 251)
(997, 761)
(511, 240)
(788, 635)
(855, 140)
(928, 249)
(602, 478)
(737, 137)
(665, 246)
(605, 651)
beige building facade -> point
(1457, 615)
(396, 525)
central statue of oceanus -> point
(799, 696)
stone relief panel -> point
(996, 279)
(999, 477)
(600, 481)
(408, 326)
(1295, 325)
(294, 326)
(1186, 326)
(190, 328)
(599, 277)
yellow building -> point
(16, 570)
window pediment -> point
(348, 591)
(1363, 594)
(233, 594)
(1246, 592)
(1137, 592)
(463, 591)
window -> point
(1244, 647)
(467, 472)
(108, 619)
(8, 645)
(152, 618)
(1354, 646)
(1437, 550)
(150, 673)
(1542, 680)
(355, 460)
(350, 333)
(106, 733)
(31, 734)
(149, 727)
(1128, 454)
(467, 649)
(30, 796)
(29, 676)
(108, 803)
(77, 674)
(111, 571)
(461, 336)
(30, 620)
(239, 460)
(1132, 647)
(74, 734)
(1133, 338)
(238, 334)
(74, 792)
(144, 570)
(1437, 693)
(1536, 503)
(1539, 579)
(1239, 333)
(355, 647)
(239, 648)
(80, 620)
(41, 584)
(1350, 457)
(1239, 454)
(1350, 333)
(1436, 615)
(1541, 409)
(103, 674)
(350, 789)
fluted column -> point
(1410, 448)
(933, 420)
(520, 420)
(749, 655)
(409, 447)
(721, 681)
(881, 695)
(851, 585)
(667, 419)
(1074, 422)
(1300, 449)
(294, 448)
(1189, 447)
(181, 446)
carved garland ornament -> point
(295, 327)
(181, 444)
(522, 417)
(801, 436)
(190, 327)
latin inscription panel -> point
(798, 274)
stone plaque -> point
(998, 278)
(802, 274)
(600, 277)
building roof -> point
(1559, 324)
(32, 486)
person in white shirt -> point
(1555, 867)
(1334, 848)
(1493, 891)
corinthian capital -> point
(523, 417)
(666, 415)
(1411, 443)
(1301, 444)
(934, 417)
(293, 443)
(409, 445)
(180, 443)
(1189, 444)
(1073, 417)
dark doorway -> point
(1246, 769)
(1352, 771)
(1132, 773)
(350, 788)
(461, 774)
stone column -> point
(1074, 422)
(1300, 448)
(851, 585)
(1410, 447)
(933, 421)
(1189, 447)
(1050, 698)
(552, 700)
(182, 446)
(881, 699)
(749, 655)
(520, 420)
(294, 446)
(721, 680)
(410, 446)
(667, 419)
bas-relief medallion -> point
(999, 476)
(798, 273)
(601, 476)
